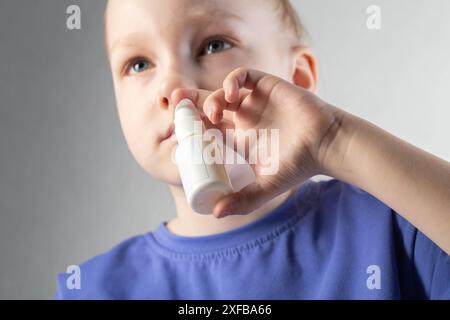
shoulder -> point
(97, 278)
(332, 195)
(336, 214)
(352, 219)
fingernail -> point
(228, 93)
(209, 111)
(227, 212)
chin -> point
(165, 172)
(159, 164)
(173, 179)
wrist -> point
(334, 152)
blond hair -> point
(290, 18)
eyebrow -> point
(129, 40)
(135, 37)
(215, 14)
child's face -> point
(156, 47)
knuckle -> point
(239, 70)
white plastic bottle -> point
(203, 183)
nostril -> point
(165, 102)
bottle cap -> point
(187, 120)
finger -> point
(223, 126)
(184, 93)
(246, 200)
(215, 104)
(241, 78)
(198, 97)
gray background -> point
(70, 188)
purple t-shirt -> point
(329, 240)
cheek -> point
(141, 127)
(274, 60)
(134, 107)
(264, 55)
(217, 68)
(137, 126)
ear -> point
(304, 68)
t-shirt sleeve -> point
(60, 285)
(429, 269)
(434, 264)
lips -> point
(168, 133)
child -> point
(364, 235)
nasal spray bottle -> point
(204, 182)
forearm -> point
(411, 181)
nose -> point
(171, 87)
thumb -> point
(244, 201)
(197, 96)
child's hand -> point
(261, 101)
(316, 137)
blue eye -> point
(215, 46)
(139, 66)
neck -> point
(190, 223)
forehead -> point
(169, 10)
(124, 18)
